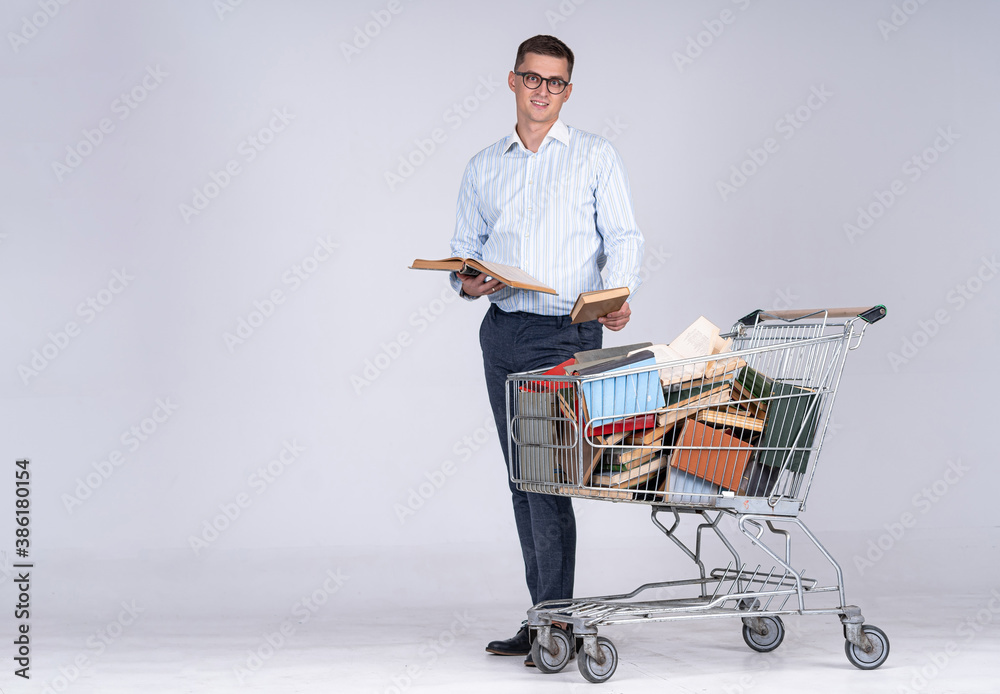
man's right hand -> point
(477, 285)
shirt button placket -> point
(530, 193)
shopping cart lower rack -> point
(731, 440)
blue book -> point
(618, 396)
(693, 487)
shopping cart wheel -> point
(594, 671)
(774, 632)
(556, 659)
(878, 654)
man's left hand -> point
(617, 320)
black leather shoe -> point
(519, 645)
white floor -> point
(424, 650)
(240, 623)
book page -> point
(697, 340)
(719, 345)
(509, 272)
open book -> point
(509, 275)
(699, 339)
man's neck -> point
(532, 134)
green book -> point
(754, 383)
(792, 417)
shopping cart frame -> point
(759, 596)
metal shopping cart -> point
(731, 440)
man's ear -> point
(510, 80)
(569, 90)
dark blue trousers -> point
(511, 343)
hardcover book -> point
(593, 305)
(616, 396)
(711, 454)
(792, 418)
(509, 275)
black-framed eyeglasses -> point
(532, 80)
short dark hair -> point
(544, 44)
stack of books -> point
(681, 432)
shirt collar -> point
(559, 131)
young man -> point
(555, 202)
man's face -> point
(538, 105)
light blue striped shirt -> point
(560, 214)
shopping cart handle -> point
(868, 314)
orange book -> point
(711, 454)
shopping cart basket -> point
(735, 436)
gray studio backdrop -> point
(214, 349)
